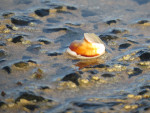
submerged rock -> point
(145, 56)
(31, 107)
(49, 30)
(23, 20)
(21, 64)
(35, 48)
(2, 43)
(30, 97)
(107, 75)
(124, 46)
(54, 54)
(2, 103)
(7, 69)
(142, 21)
(136, 71)
(42, 12)
(107, 38)
(2, 53)
(73, 77)
(109, 22)
(17, 39)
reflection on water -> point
(140, 2)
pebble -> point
(124, 46)
(107, 38)
(7, 69)
(54, 54)
(2, 53)
(23, 20)
(73, 77)
(21, 64)
(50, 30)
(42, 12)
(145, 56)
(29, 96)
(107, 75)
(34, 49)
(136, 71)
(109, 22)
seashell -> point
(90, 47)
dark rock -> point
(2, 103)
(124, 46)
(8, 14)
(107, 38)
(93, 71)
(31, 107)
(44, 87)
(19, 83)
(111, 22)
(50, 30)
(7, 69)
(145, 56)
(35, 49)
(142, 92)
(143, 21)
(2, 53)
(21, 64)
(9, 26)
(17, 39)
(38, 74)
(2, 43)
(3, 93)
(71, 8)
(95, 105)
(42, 12)
(107, 75)
(87, 13)
(54, 54)
(145, 87)
(23, 20)
(136, 71)
(45, 41)
(117, 31)
(30, 97)
(100, 66)
(73, 77)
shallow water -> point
(37, 75)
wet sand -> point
(37, 75)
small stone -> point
(107, 75)
(3, 93)
(145, 56)
(124, 46)
(107, 38)
(136, 71)
(118, 31)
(73, 77)
(44, 41)
(19, 83)
(8, 14)
(31, 107)
(111, 22)
(21, 64)
(35, 49)
(142, 92)
(17, 39)
(143, 21)
(71, 8)
(126, 57)
(95, 77)
(127, 107)
(2, 53)
(2, 43)
(83, 80)
(93, 71)
(42, 12)
(2, 103)
(50, 30)
(30, 97)
(130, 96)
(23, 20)
(38, 74)
(54, 54)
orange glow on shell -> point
(84, 48)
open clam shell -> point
(90, 47)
